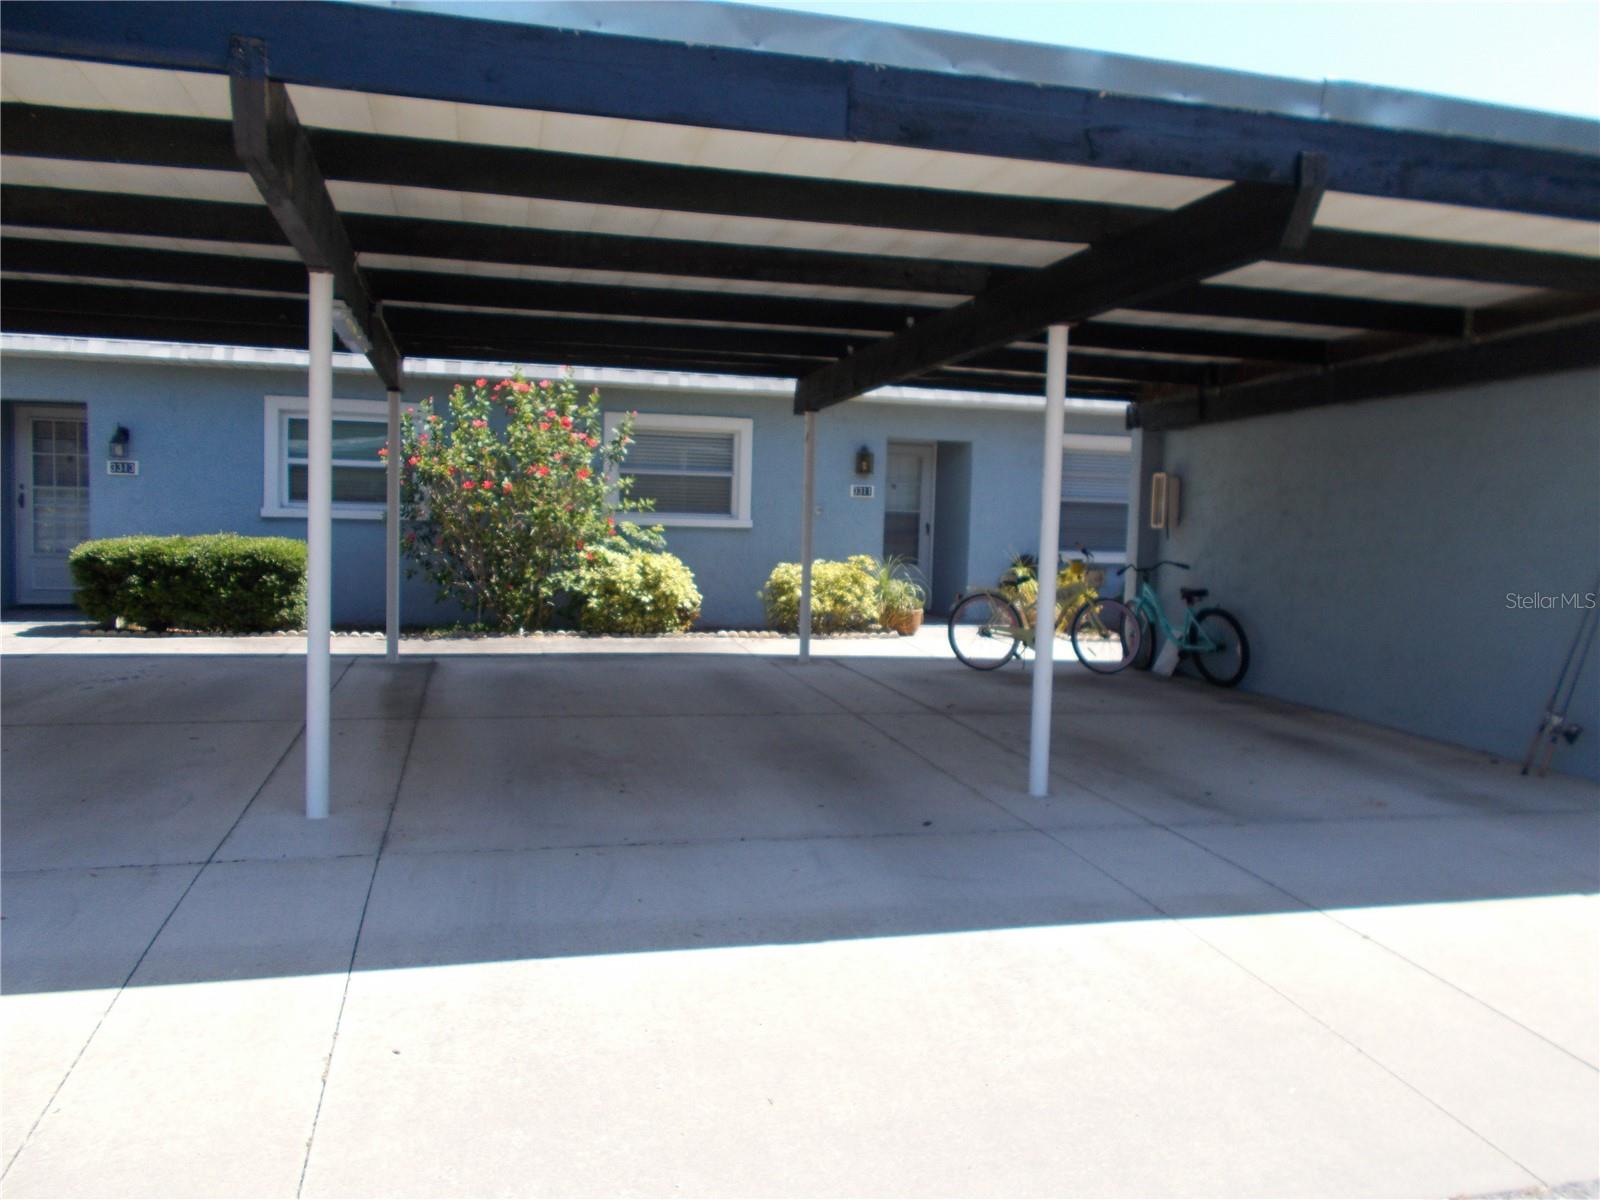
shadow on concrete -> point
(512, 807)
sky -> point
(1542, 54)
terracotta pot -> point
(903, 623)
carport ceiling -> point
(522, 191)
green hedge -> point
(636, 592)
(222, 582)
(844, 595)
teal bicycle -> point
(1114, 635)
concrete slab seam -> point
(1410, 962)
(775, 839)
(1188, 928)
(355, 942)
(154, 937)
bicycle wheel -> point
(1105, 636)
(1146, 657)
(1227, 663)
(985, 631)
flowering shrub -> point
(844, 595)
(505, 498)
(634, 591)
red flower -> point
(591, 441)
(590, 556)
(580, 543)
(543, 470)
(566, 422)
(583, 472)
(423, 439)
(467, 485)
(544, 426)
(520, 388)
(479, 423)
(449, 470)
(412, 461)
(488, 484)
(551, 413)
(545, 384)
(383, 452)
(506, 486)
(434, 418)
(482, 383)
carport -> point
(747, 928)
(844, 213)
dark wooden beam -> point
(1391, 255)
(137, 264)
(16, 319)
(1308, 308)
(111, 212)
(198, 143)
(189, 142)
(1218, 233)
(176, 304)
(273, 147)
(1564, 346)
(366, 48)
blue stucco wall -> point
(1369, 551)
(197, 434)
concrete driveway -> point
(602, 920)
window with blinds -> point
(1094, 501)
(683, 472)
(695, 470)
(360, 429)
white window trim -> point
(743, 430)
(1102, 443)
(275, 470)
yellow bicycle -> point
(990, 627)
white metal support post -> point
(808, 504)
(1055, 394)
(319, 541)
(391, 525)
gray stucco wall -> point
(1369, 551)
(197, 433)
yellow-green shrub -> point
(637, 592)
(844, 595)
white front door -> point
(50, 513)
(908, 505)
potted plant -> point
(900, 596)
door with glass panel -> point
(908, 504)
(51, 513)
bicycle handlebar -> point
(1138, 570)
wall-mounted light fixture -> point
(118, 446)
(864, 461)
(349, 329)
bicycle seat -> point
(1190, 595)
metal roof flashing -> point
(776, 31)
